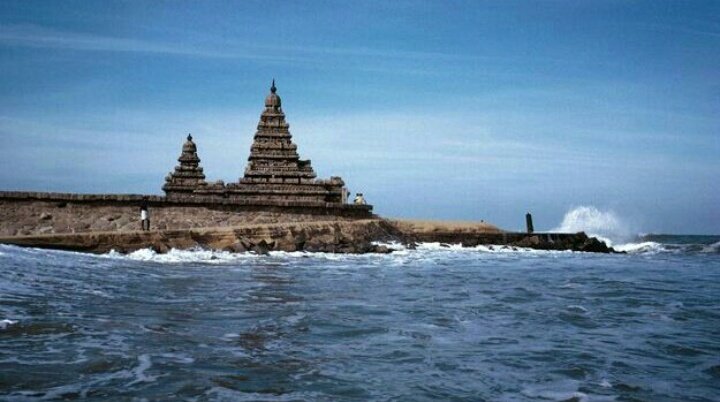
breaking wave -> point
(610, 228)
(604, 225)
(642, 247)
(199, 255)
(175, 256)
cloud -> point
(42, 37)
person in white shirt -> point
(359, 200)
(144, 215)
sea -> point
(437, 323)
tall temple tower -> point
(275, 170)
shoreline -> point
(334, 236)
(98, 223)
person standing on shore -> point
(359, 199)
(144, 216)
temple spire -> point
(188, 175)
(272, 101)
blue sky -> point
(446, 110)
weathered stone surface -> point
(99, 223)
(274, 170)
(329, 236)
(471, 234)
(188, 176)
(31, 213)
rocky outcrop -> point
(326, 236)
(359, 236)
(576, 242)
(99, 223)
(471, 234)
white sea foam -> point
(563, 390)
(178, 256)
(711, 248)
(576, 308)
(139, 372)
(175, 256)
(435, 247)
(643, 247)
(4, 323)
(178, 358)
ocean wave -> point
(179, 256)
(198, 255)
(643, 247)
(711, 248)
(4, 323)
(605, 225)
(436, 247)
(423, 250)
(652, 247)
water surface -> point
(431, 324)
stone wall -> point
(24, 213)
(327, 236)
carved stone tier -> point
(274, 170)
(187, 177)
(274, 161)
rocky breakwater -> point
(471, 234)
(333, 236)
(322, 236)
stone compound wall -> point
(24, 213)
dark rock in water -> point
(238, 247)
(382, 249)
(594, 245)
(553, 241)
(530, 241)
(160, 248)
(263, 247)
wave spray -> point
(605, 225)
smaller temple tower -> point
(188, 176)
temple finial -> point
(272, 88)
(189, 137)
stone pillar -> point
(529, 223)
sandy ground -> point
(428, 226)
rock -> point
(382, 249)
(45, 216)
(160, 248)
(594, 245)
(45, 229)
(238, 247)
(529, 241)
(263, 247)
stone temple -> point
(274, 173)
